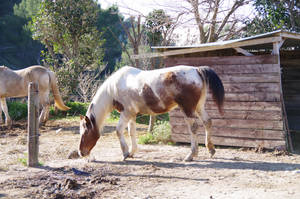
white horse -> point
(132, 91)
(15, 84)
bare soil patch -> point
(157, 171)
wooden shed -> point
(261, 77)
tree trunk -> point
(152, 121)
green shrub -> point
(23, 161)
(114, 115)
(161, 134)
(147, 139)
(77, 108)
(17, 110)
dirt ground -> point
(157, 171)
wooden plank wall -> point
(253, 115)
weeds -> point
(23, 161)
(161, 134)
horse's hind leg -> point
(131, 130)
(207, 125)
(44, 101)
(8, 121)
(192, 128)
(120, 129)
(44, 114)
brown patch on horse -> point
(188, 98)
(169, 78)
(188, 94)
(153, 102)
(117, 105)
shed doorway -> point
(290, 66)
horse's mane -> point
(100, 106)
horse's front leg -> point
(120, 129)
(8, 121)
(131, 130)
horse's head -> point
(89, 135)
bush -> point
(147, 139)
(115, 115)
(77, 108)
(17, 110)
(161, 134)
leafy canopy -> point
(68, 31)
(273, 15)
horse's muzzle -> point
(83, 153)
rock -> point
(71, 184)
(73, 155)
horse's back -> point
(9, 83)
(13, 83)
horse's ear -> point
(87, 119)
(81, 117)
(88, 122)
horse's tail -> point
(215, 85)
(57, 98)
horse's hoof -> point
(42, 124)
(189, 158)
(212, 152)
(127, 155)
(8, 124)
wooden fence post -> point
(33, 124)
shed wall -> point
(252, 109)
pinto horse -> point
(133, 91)
(15, 84)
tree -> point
(109, 23)
(134, 32)
(6, 7)
(27, 8)
(159, 28)
(17, 48)
(273, 15)
(68, 31)
(214, 20)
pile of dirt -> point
(62, 182)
